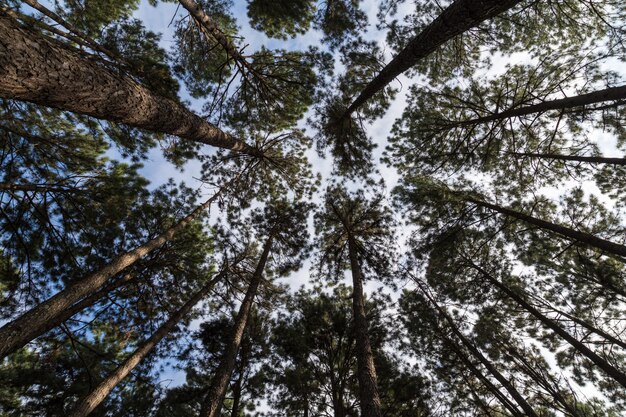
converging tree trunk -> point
(575, 343)
(459, 17)
(608, 94)
(521, 401)
(95, 397)
(573, 158)
(44, 71)
(576, 235)
(45, 316)
(368, 386)
(212, 403)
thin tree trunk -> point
(521, 401)
(608, 94)
(575, 158)
(95, 397)
(234, 412)
(203, 19)
(212, 403)
(499, 396)
(44, 71)
(368, 386)
(44, 316)
(576, 235)
(459, 17)
(610, 370)
(502, 399)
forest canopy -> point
(312, 208)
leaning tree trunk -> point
(586, 238)
(44, 71)
(368, 386)
(95, 397)
(600, 96)
(459, 17)
(573, 158)
(501, 397)
(521, 401)
(45, 316)
(212, 403)
(601, 363)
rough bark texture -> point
(582, 237)
(459, 17)
(212, 403)
(608, 94)
(575, 343)
(368, 386)
(521, 401)
(95, 397)
(44, 316)
(42, 70)
(574, 158)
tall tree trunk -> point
(574, 158)
(502, 399)
(608, 94)
(95, 397)
(575, 343)
(576, 235)
(459, 17)
(44, 71)
(212, 403)
(521, 401)
(45, 316)
(368, 386)
(212, 29)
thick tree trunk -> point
(95, 397)
(521, 401)
(575, 343)
(368, 386)
(44, 71)
(212, 403)
(600, 96)
(574, 158)
(586, 238)
(459, 17)
(44, 316)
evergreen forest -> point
(312, 208)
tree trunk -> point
(205, 21)
(368, 387)
(586, 238)
(44, 316)
(459, 17)
(608, 94)
(574, 158)
(44, 71)
(212, 403)
(521, 401)
(610, 370)
(95, 397)
(234, 412)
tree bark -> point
(44, 316)
(574, 158)
(521, 401)
(212, 403)
(368, 386)
(610, 370)
(607, 94)
(44, 71)
(459, 17)
(95, 397)
(586, 238)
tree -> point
(356, 232)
